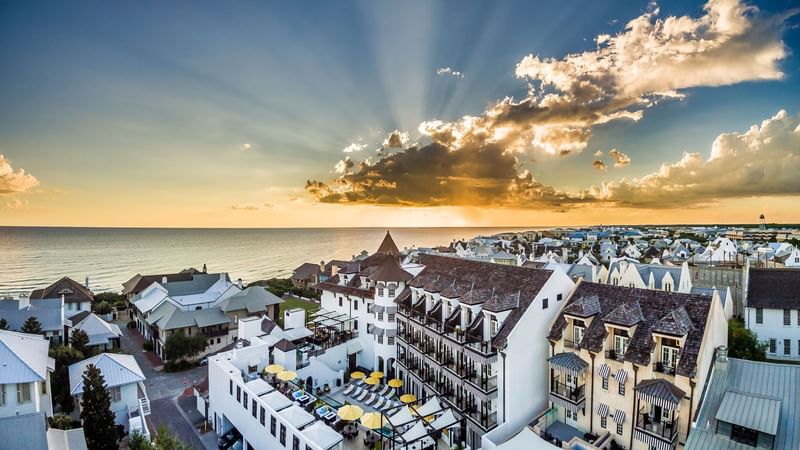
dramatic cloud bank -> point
(472, 161)
(763, 161)
(12, 181)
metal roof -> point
(755, 379)
(23, 357)
(568, 362)
(117, 370)
(26, 431)
(98, 330)
(48, 311)
(750, 411)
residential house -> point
(626, 272)
(48, 311)
(25, 400)
(772, 310)
(139, 282)
(628, 365)
(125, 384)
(102, 335)
(77, 297)
(307, 274)
(792, 259)
(467, 332)
(748, 404)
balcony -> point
(485, 420)
(572, 344)
(459, 369)
(485, 384)
(663, 430)
(573, 394)
(457, 336)
(612, 354)
(215, 333)
(483, 348)
(660, 367)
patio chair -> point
(356, 392)
(362, 396)
(378, 402)
(350, 388)
(370, 400)
(385, 390)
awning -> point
(445, 421)
(621, 375)
(619, 416)
(373, 308)
(295, 334)
(416, 432)
(602, 410)
(322, 435)
(568, 363)
(401, 417)
(604, 370)
(740, 409)
(354, 346)
(660, 392)
(432, 406)
(563, 403)
(378, 331)
(652, 441)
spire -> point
(388, 246)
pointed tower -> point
(388, 246)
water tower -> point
(762, 222)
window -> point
(559, 297)
(668, 287)
(544, 303)
(493, 326)
(254, 409)
(244, 403)
(772, 346)
(380, 315)
(238, 394)
(604, 422)
(391, 288)
(577, 335)
(2, 395)
(295, 443)
(619, 429)
(787, 346)
(390, 340)
(283, 435)
(787, 317)
(744, 435)
(355, 324)
(263, 416)
(669, 353)
(23, 392)
(380, 289)
(605, 384)
(115, 393)
(272, 425)
(355, 305)
(340, 302)
(621, 389)
(44, 387)
(620, 343)
(759, 315)
(230, 385)
(391, 317)
(380, 339)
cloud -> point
(247, 147)
(599, 165)
(354, 147)
(765, 160)
(620, 159)
(344, 166)
(14, 202)
(396, 139)
(652, 60)
(598, 154)
(12, 181)
(244, 208)
(445, 71)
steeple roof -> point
(390, 270)
(388, 246)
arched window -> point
(392, 287)
(380, 288)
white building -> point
(77, 297)
(625, 272)
(102, 335)
(48, 311)
(772, 310)
(792, 259)
(266, 419)
(25, 402)
(125, 384)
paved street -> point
(164, 389)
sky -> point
(378, 113)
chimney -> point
(322, 266)
(86, 283)
(239, 283)
(163, 279)
(222, 276)
(25, 301)
(722, 354)
(204, 268)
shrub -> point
(61, 422)
(101, 308)
(177, 366)
(180, 346)
(743, 343)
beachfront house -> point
(48, 311)
(77, 297)
(102, 335)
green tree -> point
(164, 440)
(80, 341)
(180, 346)
(61, 422)
(138, 442)
(64, 357)
(743, 343)
(3, 324)
(98, 419)
(102, 307)
(32, 326)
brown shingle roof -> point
(306, 271)
(285, 345)
(74, 292)
(390, 270)
(654, 307)
(774, 288)
(388, 246)
(138, 282)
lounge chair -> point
(350, 388)
(385, 390)
(370, 400)
(356, 392)
(380, 403)
(362, 396)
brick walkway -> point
(152, 358)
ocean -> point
(34, 257)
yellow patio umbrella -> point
(357, 375)
(372, 381)
(274, 369)
(350, 412)
(395, 383)
(408, 398)
(373, 420)
(376, 374)
(287, 375)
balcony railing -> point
(215, 333)
(486, 420)
(574, 394)
(485, 384)
(483, 347)
(660, 367)
(664, 430)
(572, 344)
(612, 354)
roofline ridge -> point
(20, 357)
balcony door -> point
(620, 344)
(572, 418)
(669, 356)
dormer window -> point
(392, 287)
(577, 332)
(669, 353)
(380, 289)
(621, 340)
(668, 287)
(494, 326)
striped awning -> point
(621, 375)
(652, 441)
(660, 392)
(602, 410)
(568, 363)
(619, 416)
(563, 403)
(604, 370)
